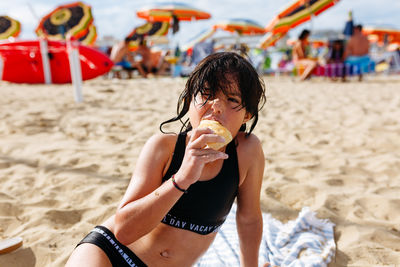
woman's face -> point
(225, 108)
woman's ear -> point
(247, 117)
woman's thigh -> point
(88, 255)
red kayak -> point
(21, 62)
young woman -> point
(181, 191)
(300, 58)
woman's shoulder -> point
(163, 139)
(161, 143)
(248, 143)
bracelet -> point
(177, 186)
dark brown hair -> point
(218, 72)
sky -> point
(118, 17)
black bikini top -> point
(207, 203)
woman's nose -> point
(217, 105)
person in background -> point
(300, 58)
(357, 50)
(122, 56)
(335, 61)
(152, 62)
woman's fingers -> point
(205, 139)
(201, 136)
(196, 133)
(208, 154)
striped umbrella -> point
(241, 26)
(90, 37)
(295, 14)
(9, 27)
(166, 12)
(201, 37)
(270, 39)
(71, 19)
(149, 29)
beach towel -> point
(305, 241)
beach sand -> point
(331, 146)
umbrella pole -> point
(44, 51)
(75, 68)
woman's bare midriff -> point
(169, 246)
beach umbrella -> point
(240, 26)
(145, 31)
(9, 27)
(199, 38)
(172, 13)
(296, 13)
(270, 39)
(66, 20)
(382, 35)
(90, 37)
(166, 12)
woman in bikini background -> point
(181, 191)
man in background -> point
(122, 56)
(356, 52)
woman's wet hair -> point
(222, 72)
(304, 34)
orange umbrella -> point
(380, 35)
(146, 30)
(90, 37)
(9, 27)
(166, 12)
(241, 26)
(298, 12)
(270, 39)
(72, 19)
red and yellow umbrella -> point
(298, 12)
(172, 13)
(167, 11)
(241, 26)
(147, 30)
(66, 20)
(381, 35)
(270, 39)
(9, 27)
(201, 37)
(90, 37)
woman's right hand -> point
(197, 156)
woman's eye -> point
(234, 100)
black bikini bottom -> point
(119, 254)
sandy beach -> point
(331, 146)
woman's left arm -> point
(248, 215)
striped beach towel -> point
(306, 241)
